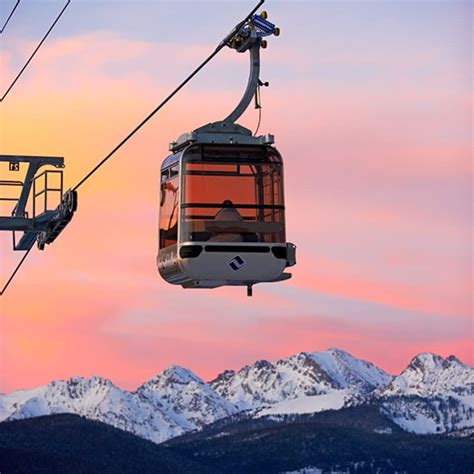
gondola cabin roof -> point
(171, 160)
(217, 133)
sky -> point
(371, 106)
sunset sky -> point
(371, 106)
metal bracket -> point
(44, 226)
(247, 36)
(252, 85)
(250, 37)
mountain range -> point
(433, 395)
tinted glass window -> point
(169, 211)
(233, 200)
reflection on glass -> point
(169, 202)
(240, 201)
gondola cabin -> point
(222, 212)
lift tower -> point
(41, 223)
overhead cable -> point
(15, 271)
(10, 87)
(9, 17)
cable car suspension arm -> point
(250, 37)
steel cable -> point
(15, 271)
(10, 87)
(9, 17)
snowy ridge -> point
(430, 415)
(348, 371)
(186, 398)
(432, 395)
(168, 405)
(430, 375)
(305, 374)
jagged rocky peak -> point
(307, 365)
(172, 375)
(453, 359)
(261, 369)
(222, 380)
(78, 387)
(223, 376)
(75, 395)
(253, 376)
(180, 391)
(261, 365)
(430, 374)
(303, 374)
(251, 386)
(348, 358)
(339, 370)
(184, 400)
(426, 361)
(359, 371)
(339, 352)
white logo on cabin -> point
(237, 263)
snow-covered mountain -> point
(187, 399)
(307, 374)
(432, 395)
(168, 405)
(429, 375)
